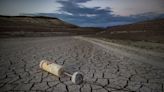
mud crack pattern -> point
(103, 71)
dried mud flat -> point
(104, 70)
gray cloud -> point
(101, 16)
(127, 7)
(76, 11)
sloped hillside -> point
(152, 30)
(151, 25)
(30, 22)
(40, 25)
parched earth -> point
(104, 71)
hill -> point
(32, 21)
(151, 25)
(152, 30)
(39, 25)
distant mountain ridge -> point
(151, 30)
(34, 21)
(39, 26)
(151, 25)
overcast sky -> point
(87, 12)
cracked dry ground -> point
(103, 71)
